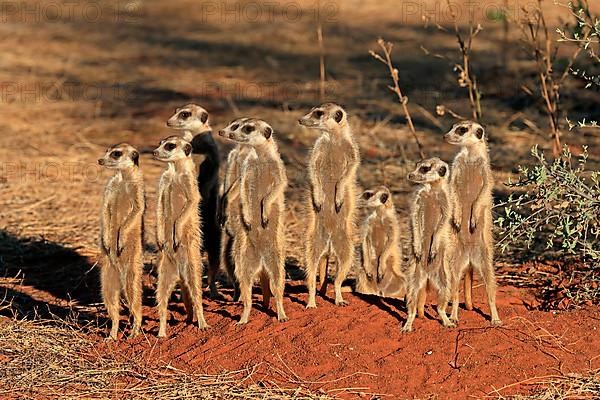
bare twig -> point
(386, 59)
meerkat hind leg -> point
(421, 301)
(468, 288)
(111, 292)
(313, 259)
(134, 299)
(487, 273)
(167, 279)
(187, 302)
(266, 290)
(412, 298)
(442, 303)
(323, 268)
(344, 265)
(277, 280)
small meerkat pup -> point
(178, 233)
(380, 248)
(430, 222)
(121, 235)
(334, 160)
(258, 245)
(193, 121)
(472, 182)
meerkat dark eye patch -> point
(338, 116)
(462, 130)
(443, 170)
(248, 129)
(170, 146)
(187, 149)
(116, 154)
(367, 195)
(135, 157)
(318, 114)
(235, 127)
(204, 117)
(268, 132)
(185, 115)
(479, 133)
(425, 169)
(384, 198)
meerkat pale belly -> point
(467, 187)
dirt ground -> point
(73, 83)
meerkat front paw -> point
(455, 222)
(473, 224)
(338, 206)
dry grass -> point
(54, 359)
(567, 387)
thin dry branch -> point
(386, 59)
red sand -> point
(361, 346)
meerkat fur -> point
(230, 208)
(121, 235)
(331, 204)
(193, 121)
(380, 259)
(258, 244)
(472, 182)
(178, 232)
(430, 222)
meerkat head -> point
(120, 156)
(250, 131)
(465, 133)
(377, 197)
(190, 117)
(172, 148)
(429, 171)
(327, 117)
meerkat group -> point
(239, 225)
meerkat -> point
(258, 245)
(193, 121)
(230, 207)
(430, 223)
(178, 232)
(331, 204)
(471, 182)
(380, 259)
(121, 235)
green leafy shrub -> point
(558, 204)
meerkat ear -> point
(204, 117)
(187, 149)
(339, 114)
(268, 132)
(135, 157)
(479, 133)
(443, 170)
(384, 198)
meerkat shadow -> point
(34, 262)
(387, 304)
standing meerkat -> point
(258, 246)
(334, 160)
(430, 222)
(121, 235)
(193, 121)
(230, 206)
(472, 182)
(178, 233)
(380, 259)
